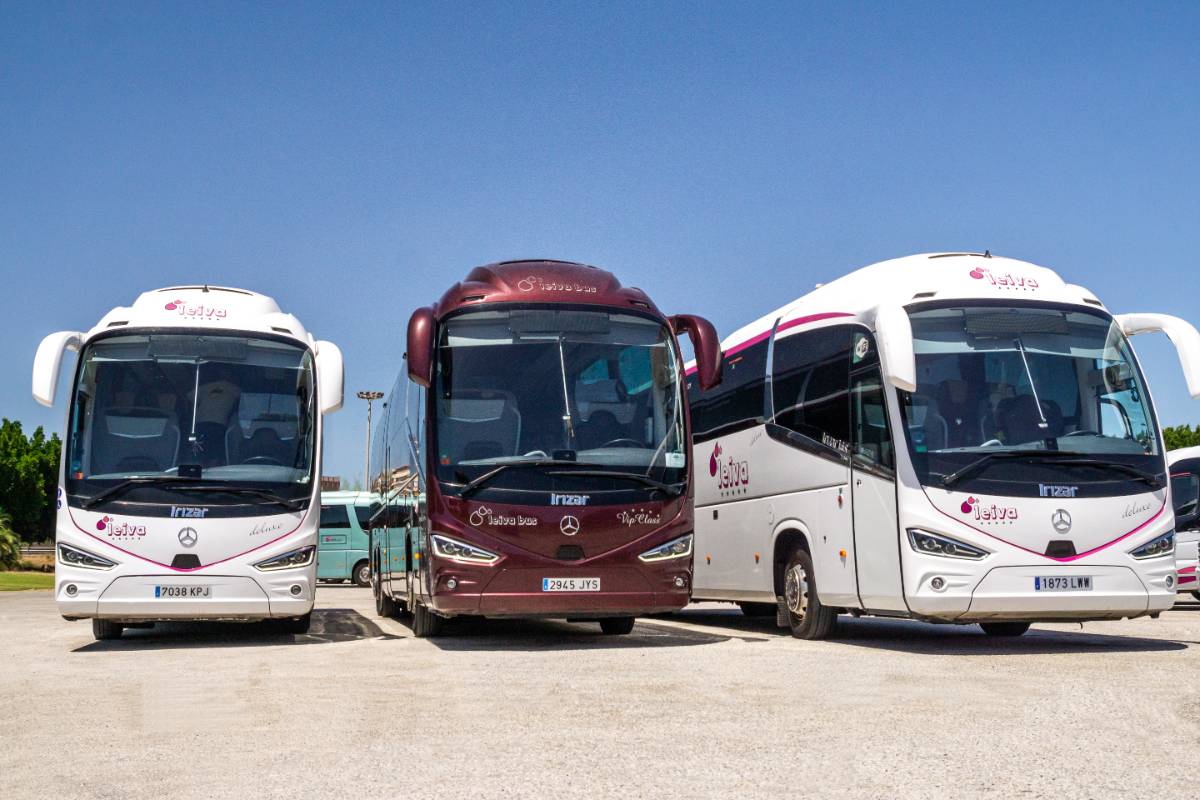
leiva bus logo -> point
(194, 311)
(732, 476)
(120, 530)
(1005, 281)
(991, 515)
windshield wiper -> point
(476, 484)
(182, 484)
(1067, 458)
(126, 485)
(666, 488)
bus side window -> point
(738, 402)
(810, 384)
(334, 517)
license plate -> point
(1063, 583)
(570, 584)
(185, 592)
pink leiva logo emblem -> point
(968, 504)
(714, 462)
(1005, 281)
(102, 523)
(174, 304)
(977, 274)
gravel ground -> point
(706, 703)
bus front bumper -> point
(147, 598)
(1010, 593)
(519, 592)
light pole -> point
(369, 397)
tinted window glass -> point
(738, 400)
(334, 517)
(872, 439)
(811, 382)
(363, 514)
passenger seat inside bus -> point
(1019, 421)
(478, 425)
(135, 439)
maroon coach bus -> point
(535, 453)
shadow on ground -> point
(475, 633)
(928, 639)
(329, 625)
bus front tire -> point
(425, 623)
(362, 573)
(616, 626)
(104, 629)
(385, 606)
(808, 617)
(1004, 628)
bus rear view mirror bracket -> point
(1181, 333)
(420, 347)
(894, 337)
(48, 362)
(705, 344)
(330, 376)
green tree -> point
(28, 479)
(10, 545)
(1181, 436)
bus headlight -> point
(74, 557)
(676, 548)
(300, 557)
(938, 544)
(455, 550)
(1163, 545)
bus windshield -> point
(590, 388)
(219, 408)
(993, 379)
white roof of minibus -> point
(921, 277)
(1175, 456)
(348, 498)
(200, 306)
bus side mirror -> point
(330, 376)
(1181, 333)
(420, 347)
(706, 345)
(48, 361)
(893, 334)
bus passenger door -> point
(873, 487)
(332, 541)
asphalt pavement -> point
(704, 703)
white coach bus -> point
(953, 438)
(188, 486)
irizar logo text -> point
(569, 499)
(1050, 490)
(189, 512)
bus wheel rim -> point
(795, 590)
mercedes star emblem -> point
(187, 537)
(1061, 521)
(568, 525)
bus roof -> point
(918, 278)
(542, 281)
(203, 306)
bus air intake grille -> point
(186, 561)
(1060, 548)
(569, 552)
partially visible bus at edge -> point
(190, 463)
(1185, 493)
(953, 438)
(344, 540)
(540, 426)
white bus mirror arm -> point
(48, 361)
(893, 333)
(1181, 333)
(330, 376)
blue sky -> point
(353, 160)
